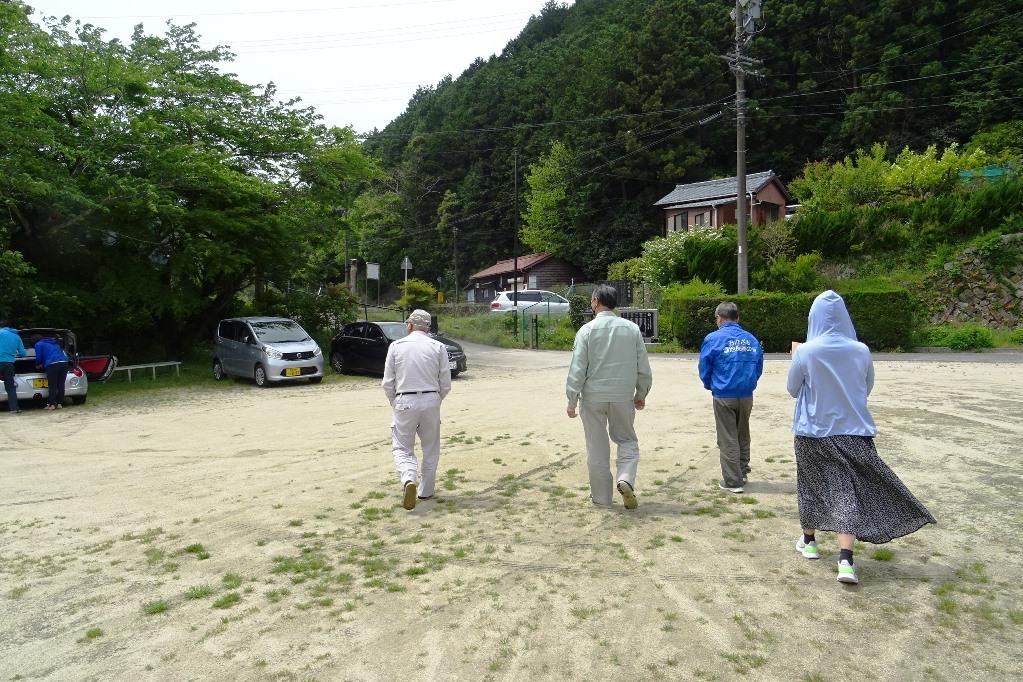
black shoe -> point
(428, 497)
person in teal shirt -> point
(608, 380)
(11, 346)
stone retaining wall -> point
(969, 290)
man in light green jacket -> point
(610, 376)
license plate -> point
(40, 383)
(293, 371)
(452, 365)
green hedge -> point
(884, 319)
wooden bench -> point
(149, 365)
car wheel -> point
(260, 376)
(337, 362)
(315, 380)
(218, 370)
(78, 399)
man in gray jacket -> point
(610, 375)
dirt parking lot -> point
(251, 534)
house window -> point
(678, 222)
(770, 211)
(532, 282)
(701, 219)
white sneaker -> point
(847, 573)
(808, 549)
(724, 486)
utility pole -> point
(746, 14)
(515, 249)
(454, 256)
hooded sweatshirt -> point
(831, 375)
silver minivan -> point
(267, 349)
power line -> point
(290, 10)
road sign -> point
(372, 270)
(406, 264)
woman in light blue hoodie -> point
(842, 484)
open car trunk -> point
(95, 367)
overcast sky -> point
(357, 61)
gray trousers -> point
(731, 416)
(601, 420)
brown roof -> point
(503, 266)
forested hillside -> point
(636, 96)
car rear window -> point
(394, 330)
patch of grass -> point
(153, 607)
(743, 663)
(277, 594)
(93, 633)
(375, 495)
(198, 550)
(763, 514)
(676, 538)
(882, 554)
(749, 500)
(199, 592)
(294, 523)
(947, 605)
(17, 592)
(974, 573)
(582, 612)
(227, 601)
(1015, 617)
(231, 581)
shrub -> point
(578, 310)
(883, 319)
(418, 294)
(631, 270)
(673, 316)
(970, 337)
(791, 275)
(1016, 337)
(708, 253)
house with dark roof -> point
(712, 202)
(535, 271)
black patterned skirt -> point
(843, 485)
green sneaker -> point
(808, 550)
(847, 573)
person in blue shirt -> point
(11, 346)
(52, 359)
(731, 362)
(842, 485)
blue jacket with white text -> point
(731, 362)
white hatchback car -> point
(530, 302)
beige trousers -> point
(614, 420)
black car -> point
(362, 346)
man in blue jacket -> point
(11, 346)
(731, 362)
